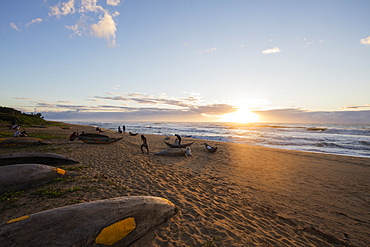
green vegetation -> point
(7, 115)
(53, 193)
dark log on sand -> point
(116, 222)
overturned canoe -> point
(22, 141)
(24, 176)
(117, 221)
(175, 152)
(210, 148)
(178, 146)
(92, 135)
(36, 158)
(99, 140)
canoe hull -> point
(99, 140)
(25, 176)
(36, 158)
(81, 224)
(178, 146)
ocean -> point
(339, 139)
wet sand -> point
(240, 195)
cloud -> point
(12, 25)
(271, 51)
(296, 115)
(356, 106)
(62, 9)
(365, 41)
(35, 21)
(208, 50)
(113, 2)
(106, 28)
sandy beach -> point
(240, 195)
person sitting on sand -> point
(144, 145)
(17, 133)
(119, 130)
(178, 140)
(73, 136)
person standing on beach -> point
(124, 129)
(144, 145)
(178, 140)
(119, 130)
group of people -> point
(123, 130)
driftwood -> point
(36, 158)
(24, 176)
(87, 224)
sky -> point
(187, 60)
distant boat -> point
(116, 221)
(98, 140)
(36, 158)
(133, 134)
(178, 146)
(210, 148)
(24, 176)
(317, 129)
(23, 141)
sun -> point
(240, 116)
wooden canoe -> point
(117, 222)
(99, 140)
(36, 158)
(25, 176)
(178, 146)
(92, 135)
(210, 148)
(175, 152)
(27, 141)
(133, 134)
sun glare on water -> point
(240, 116)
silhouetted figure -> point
(124, 129)
(144, 145)
(119, 130)
(178, 139)
(73, 136)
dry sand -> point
(238, 196)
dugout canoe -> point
(178, 146)
(99, 140)
(117, 222)
(26, 141)
(25, 176)
(210, 148)
(36, 158)
(175, 152)
(92, 135)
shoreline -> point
(241, 195)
